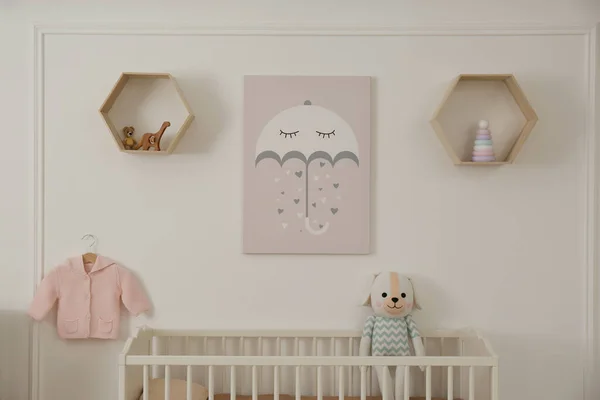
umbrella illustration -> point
(307, 132)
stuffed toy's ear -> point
(415, 302)
(367, 301)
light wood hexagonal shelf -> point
(145, 101)
(496, 98)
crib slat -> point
(494, 385)
(205, 352)
(442, 378)
(428, 383)
(276, 370)
(407, 382)
(254, 383)
(260, 353)
(156, 350)
(369, 381)
(363, 383)
(471, 383)
(233, 393)
(167, 382)
(276, 383)
(341, 383)
(332, 353)
(211, 382)
(350, 371)
(319, 384)
(189, 383)
(146, 383)
(224, 374)
(384, 383)
(232, 389)
(450, 394)
(298, 385)
(297, 353)
(242, 370)
(314, 354)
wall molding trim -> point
(590, 33)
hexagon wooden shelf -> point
(495, 98)
(146, 101)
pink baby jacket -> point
(89, 298)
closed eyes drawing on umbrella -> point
(307, 132)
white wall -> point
(537, 205)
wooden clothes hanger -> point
(90, 257)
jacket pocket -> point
(105, 326)
(71, 325)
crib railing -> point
(307, 363)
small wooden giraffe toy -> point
(152, 140)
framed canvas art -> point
(306, 164)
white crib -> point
(296, 365)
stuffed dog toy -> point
(388, 332)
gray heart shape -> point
(334, 211)
(314, 205)
(320, 226)
(336, 185)
(320, 189)
(280, 210)
(322, 164)
(282, 192)
(296, 201)
(298, 174)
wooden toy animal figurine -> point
(152, 140)
(129, 142)
(389, 330)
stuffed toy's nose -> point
(395, 299)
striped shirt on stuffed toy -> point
(389, 336)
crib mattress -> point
(226, 396)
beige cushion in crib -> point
(178, 390)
